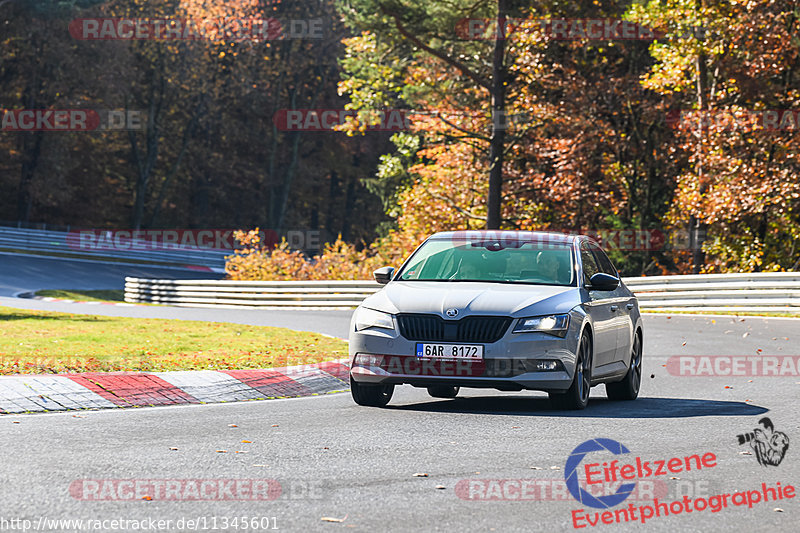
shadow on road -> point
(598, 407)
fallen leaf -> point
(241, 451)
(440, 487)
(669, 317)
(222, 451)
(673, 477)
(274, 425)
(684, 343)
(247, 441)
(15, 422)
(728, 387)
(749, 380)
(232, 426)
(514, 427)
(148, 498)
(420, 474)
(173, 448)
(331, 519)
(78, 416)
(778, 510)
(713, 321)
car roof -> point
(553, 237)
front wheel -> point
(577, 396)
(370, 395)
(628, 388)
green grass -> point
(48, 342)
(85, 296)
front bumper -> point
(382, 356)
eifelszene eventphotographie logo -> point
(571, 474)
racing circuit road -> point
(357, 465)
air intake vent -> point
(483, 329)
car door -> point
(600, 310)
(624, 304)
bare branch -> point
(452, 204)
(474, 76)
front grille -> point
(483, 329)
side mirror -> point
(603, 282)
(383, 275)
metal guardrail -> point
(763, 291)
(64, 243)
(250, 294)
(774, 292)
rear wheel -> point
(628, 388)
(443, 391)
(370, 395)
(577, 396)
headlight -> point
(369, 318)
(553, 324)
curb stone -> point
(28, 393)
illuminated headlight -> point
(369, 318)
(553, 324)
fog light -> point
(368, 359)
(545, 365)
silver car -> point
(501, 310)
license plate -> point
(472, 352)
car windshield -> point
(530, 262)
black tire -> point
(577, 396)
(370, 395)
(628, 388)
(443, 391)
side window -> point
(590, 267)
(606, 266)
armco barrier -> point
(254, 294)
(773, 292)
(56, 242)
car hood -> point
(473, 298)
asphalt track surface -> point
(336, 460)
(20, 273)
(26, 273)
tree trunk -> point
(497, 139)
(697, 227)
